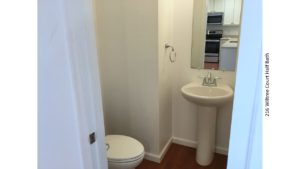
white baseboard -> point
(185, 142)
(152, 157)
(221, 150)
(157, 158)
(193, 144)
(165, 149)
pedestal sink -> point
(208, 100)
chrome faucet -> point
(209, 80)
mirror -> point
(215, 34)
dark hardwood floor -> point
(181, 157)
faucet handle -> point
(209, 74)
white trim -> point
(165, 149)
(222, 150)
(158, 158)
(184, 142)
(193, 144)
(152, 157)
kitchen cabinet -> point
(237, 11)
(210, 5)
(216, 5)
(228, 53)
(232, 12)
(231, 9)
(219, 5)
(228, 58)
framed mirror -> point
(215, 34)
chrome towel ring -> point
(107, 146)
(172, 59)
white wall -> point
(227, 30)
(184, 112)
(141, 88)
(113, 65)
(135, 69)
(231, 30)
(128, 45)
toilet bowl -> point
(123, 152)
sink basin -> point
(207, 95)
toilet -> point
(123, 152)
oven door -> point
(211, 58)
(212, 48)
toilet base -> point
(124, 165)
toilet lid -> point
(123, 148)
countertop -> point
(229, 42)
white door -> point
(81, 36)
(245, 135)
(70, 105)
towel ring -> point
(170, 54)
(107, 146)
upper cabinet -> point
(237, 11)
(232, 12)
(215, 5)
(219, 5)
(231, 9)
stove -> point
(212, 46)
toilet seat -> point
(123, 149)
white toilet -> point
(123, 152)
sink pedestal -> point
(207, 117)
(208, 99)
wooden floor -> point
(181, 157)
(214, 66)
